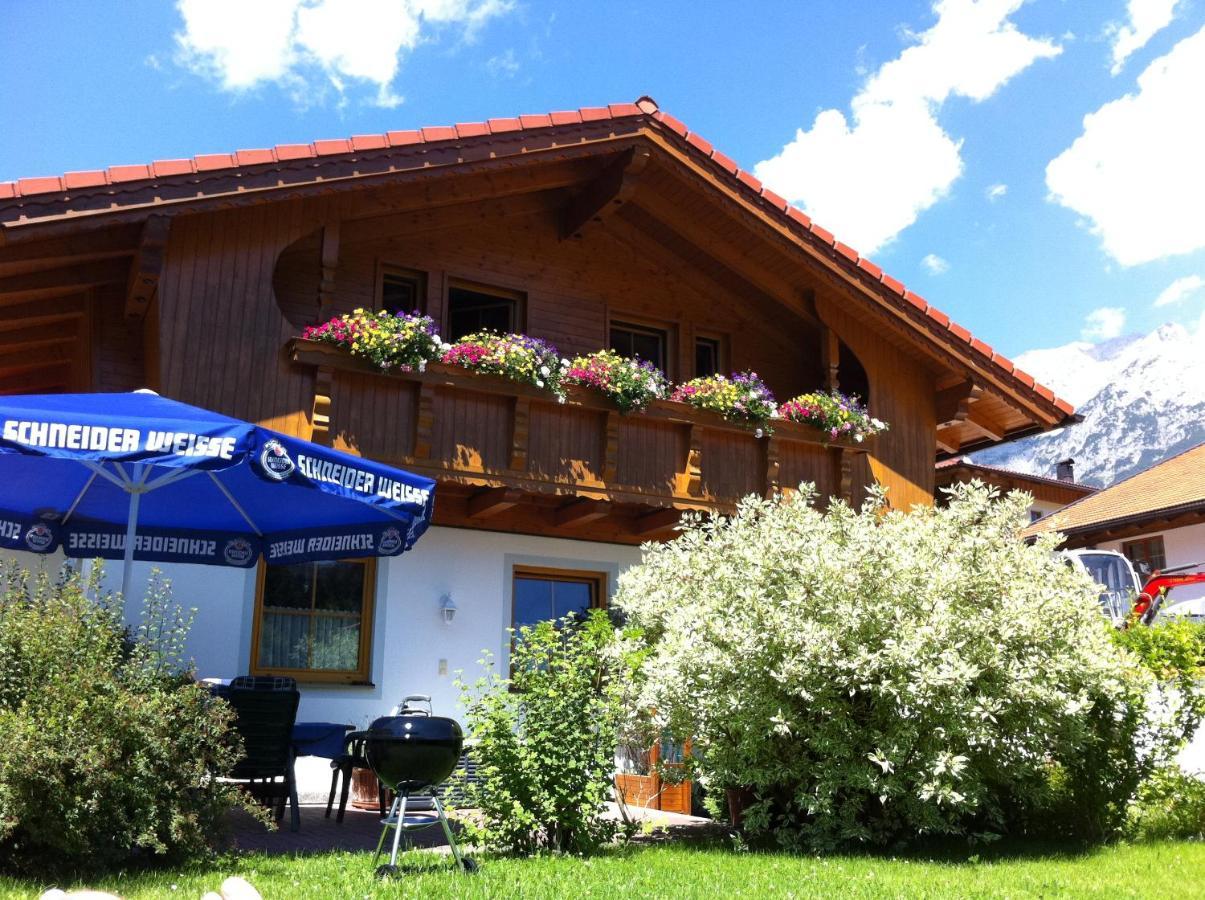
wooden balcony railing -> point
(478, 430)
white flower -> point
(422, 365)
(545, 371)
(560, 398)
(539, 383)
(858, 438)
(565, 364)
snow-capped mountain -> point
(1142, 399)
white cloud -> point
(503, 64)
(935, 265)
(308, 45)
(867, 178)
(1146, 19)
(1135, 174)
(1104, 323)
(996, 191)
(1180, 289)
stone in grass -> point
(235, 888)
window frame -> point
(362, 675)
(636, 324)
(419, 277)
(517, 298)
(598, 579)
(1144, 543)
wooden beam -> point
(65, 280)
(947, 441)
(147, 266)
(492, 501)
(464, 215)
(36, 311)
(580, 512)
(57, 376)
(651, 523)
(22, 361)
(76, 248)
(954, 403)
(986, 425)
(830, 357)
(329, 262)
(662, 222)
(606, 193)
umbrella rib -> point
(79, 497)
(99, 469)
(235, 504)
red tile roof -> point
(965, 462)
(858, 266)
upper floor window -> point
(1146, 551)
(543, 594)
(314, 621)
(401, 290)
(640, 341)
(707, 357)
(473, 308)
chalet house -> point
(1049, 494)
(1156, 517)
(612, 226)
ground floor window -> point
(1148, 551)
(541, 594)
(314, 621)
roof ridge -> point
(955, 461)
(645, 106)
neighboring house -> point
(611, 226)
(1049, 494)
(1156, 517)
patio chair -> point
(344, 764)
(264, 719)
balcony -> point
(494, 444)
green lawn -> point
(1173, 869)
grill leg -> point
(384, 831)
(447, 827)
(398, 828)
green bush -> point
(872, 677)
(545, 739)
(106, 745)
(1170, 805)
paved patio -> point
(361, 830)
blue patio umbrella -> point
(139, 476)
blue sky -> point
(889, 121)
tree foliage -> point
(107, 747)
(871, 677)
(544, 738)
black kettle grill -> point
(413, 751)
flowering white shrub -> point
(873, 677)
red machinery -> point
(1150, 600)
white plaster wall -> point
(1182, 546)
(410, 637)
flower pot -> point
(365, 790)
(738, 799)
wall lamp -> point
(447, 608)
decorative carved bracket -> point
(320, 414)
(519, 434)
(492, 501)
(610, 471)
(147, 267)
(651, 523)
(580, 512)
(772, 466)
(607, 192)
(424, 422)
(330, 264)
(690, 479)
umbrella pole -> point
(127, 563)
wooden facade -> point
(198, 279)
